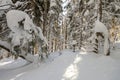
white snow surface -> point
(86, 13)
(18, 3)
(73, 42)
(90, 2)
(67, 66)
(52, 3)
(5, 2)
(100, 27)
(15, 16)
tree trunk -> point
(100, 9)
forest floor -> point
(67, 66)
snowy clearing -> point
(68, 66)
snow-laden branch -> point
(5, 45)
(6, 4)
(29, 57)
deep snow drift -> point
(67, 66)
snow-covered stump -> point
(73, 43)
(100, 31)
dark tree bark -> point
(100, 9)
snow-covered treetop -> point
(100, 27)
(15, 16)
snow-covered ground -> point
(68, 66)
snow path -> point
(68, 66)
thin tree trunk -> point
(100, 9)
(65, 34)
(44, 17)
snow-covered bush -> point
(100, 31)
(24, 34)
(73, 43)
